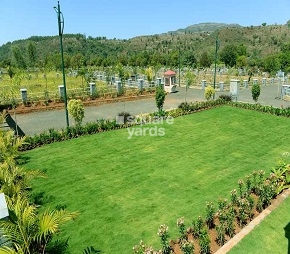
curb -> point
(247, 229)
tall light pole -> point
(179, 65)
(215, 59)
(60, 33)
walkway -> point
(34, 123)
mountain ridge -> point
(203, 27)
(189, 47)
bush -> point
(76, 110)
(160, 97)
(256, 90)
(184, 106)
(126, 116)
(225, 97)
(210, 214)
(209, 92)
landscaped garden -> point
(270, 236)
(126, 188)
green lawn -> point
(269, 235)
(125, 188)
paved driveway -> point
(33, 123)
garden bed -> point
(239, 232)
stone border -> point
(247, 229)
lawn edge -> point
(247, 229)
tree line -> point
(238, 47)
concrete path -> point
(34, 123)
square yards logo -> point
(139, 125)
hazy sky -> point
(123, 19)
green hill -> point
(162, 49)
(208, 27)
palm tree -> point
(28, 232)
(9, 145)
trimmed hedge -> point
(261, 108)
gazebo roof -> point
(169, 73)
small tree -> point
(83, 73)
(160, 98)
(189, 80)
(149, 74)
(209, 92)
(76, 110)
(256, 90)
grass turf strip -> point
(125, 188)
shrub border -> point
(52, 135)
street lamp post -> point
(179, 66)
(215, 60)
(60, 33)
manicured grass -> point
(125, 188)
(269, 235)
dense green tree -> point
(77, 61)
(11, 71)
(188, 59)
(272, 64)
(56, 60)
(242, 50)
(242, 61)
(31, 52)
(174, 59)
(18, 57)
(285, 57)
(229, 55)
(205, 60)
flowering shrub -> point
(143, 249)
(239, 209)
(209, 92)
(210, 214)
(197, 226)
(181, 226)
(164, 236)
(187, 247)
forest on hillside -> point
(266, 47)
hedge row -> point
(184, 108)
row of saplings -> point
(206, 235)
